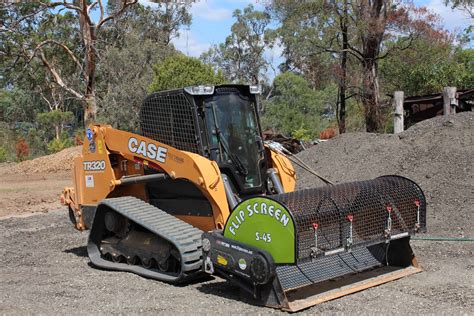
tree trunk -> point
(56, 129)
(88, 32)
(343, 83)
(90, 110)
(374, 13)
(370, 97)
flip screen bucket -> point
(348, 237)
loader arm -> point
(96, 178)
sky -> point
(212, 20)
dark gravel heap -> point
(438, 154)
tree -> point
(123, 89)
(428, 67)
(179, 71)
(240, 57)
(376, 22)
(56, 119)
(30, 43)
(26, 61)
(368, 24)
(295, 108)
(136, 40)
(16, 105)
(315, 36)
(26, 18)
(160, 22)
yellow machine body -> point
(92, 186)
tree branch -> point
(14, 25)
(101, 6)
(68, 51)
(57, 78)
(412, 38)
(125, 4)
(62, 3)
(91, 6)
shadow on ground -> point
(228, 290)
(78, 251)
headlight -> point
(200, 90)
(255, 89)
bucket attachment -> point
(299, 249)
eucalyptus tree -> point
(355, 32)
(241, 56)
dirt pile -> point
(61, 161)
(437, 154)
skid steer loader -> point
(197, 191)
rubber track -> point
(184, 237)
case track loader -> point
(197, 191)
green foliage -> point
(179, 71)
(3, 154)
(427, 68)
(464, 5)
(56, 145)
(296, 109)
(51, 123)
(55, 118)
(355, 116)
(16, 105)
(302, 134)
(123, 88)
(38, 142)
(8, 139)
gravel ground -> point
(25, 194)
(45, 270)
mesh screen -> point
(368, 202)
(331, 267)
(169, 118)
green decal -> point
(265, 224)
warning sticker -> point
(89, 181)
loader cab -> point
(220, 123)
(233, 136)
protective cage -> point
(170, 117)
(349, 237)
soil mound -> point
(438, 154)
(61, 161)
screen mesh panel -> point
(379, 208)
(169, 118)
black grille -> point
(368, 203)
(169, 118)
(227, 90)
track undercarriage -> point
(131, 235)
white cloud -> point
(187, 44)
(453, 20)
(207, 9)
